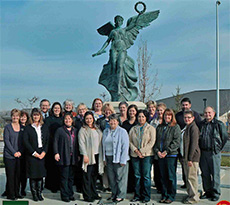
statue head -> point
(118, 20)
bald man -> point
(213, 136)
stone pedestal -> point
(140, 105)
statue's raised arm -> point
(119, 75)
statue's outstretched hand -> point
(98, 53)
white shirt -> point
(45, 115)
(39, 134)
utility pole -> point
(217, 64)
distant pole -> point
(205, 103)
(217, 64)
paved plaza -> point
(54, 198)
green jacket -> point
(171, 142)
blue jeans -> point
(142, 173)
(168, 167)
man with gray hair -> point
(213, 136)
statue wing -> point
(138, 22)
(105, 29)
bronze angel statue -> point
(119, 75)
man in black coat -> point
(213, 137)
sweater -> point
(85, 140)
(120, 144)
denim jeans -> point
(168, 167)
(142, 173)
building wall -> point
(198, 103)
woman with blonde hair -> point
(35, 138)
(103, 122)
(11, 155)
(151, 108)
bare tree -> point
(148, 77)
(177, 97)
(27, 104)
(105, 97)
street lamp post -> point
(217, 63)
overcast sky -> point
(46, 46)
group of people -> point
(118, 150)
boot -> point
(33, 189)
(39, 190)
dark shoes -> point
(11, 198)
(205, 196)
(89, 200)
(4, 194)
(135, 199)
(19, 196)
(215, 198)
(111, 198)
(35, 198)
(145, 201)
(40, 198)
(65, 199)
(23, 193)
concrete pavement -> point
(54, 198)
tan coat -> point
(147, 142)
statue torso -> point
(118, 36)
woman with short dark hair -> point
(66, 153)
(115, 156)
(35, 138)
(141, 141)
(166, 149)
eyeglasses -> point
(187, 117)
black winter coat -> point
(62, 146)
(35, 166)
(216, 140)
